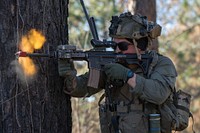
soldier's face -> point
(124, 46)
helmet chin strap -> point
(149, 42)
(136, 48)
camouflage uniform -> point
(133, 105)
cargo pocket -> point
(133, 122)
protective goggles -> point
(123, 46)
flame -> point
(28, 66)
(36, 39)
(33, 40)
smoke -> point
(21, 75)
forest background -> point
(180, 40)
(37, 104)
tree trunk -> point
(38, 105)
(147, 8)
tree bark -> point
(39, 105)
(148, 8)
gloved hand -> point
(115, 71)
(66, 68)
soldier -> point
(131, 95)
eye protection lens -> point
(123, 46)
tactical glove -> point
(66, 68)
(115, 71)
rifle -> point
(96, 59)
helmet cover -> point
(133, 27)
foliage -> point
(180, 41)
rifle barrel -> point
(25, 54)
(38, 55)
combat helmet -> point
(133, 27)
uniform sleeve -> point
(76, 86)
(159, 86)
